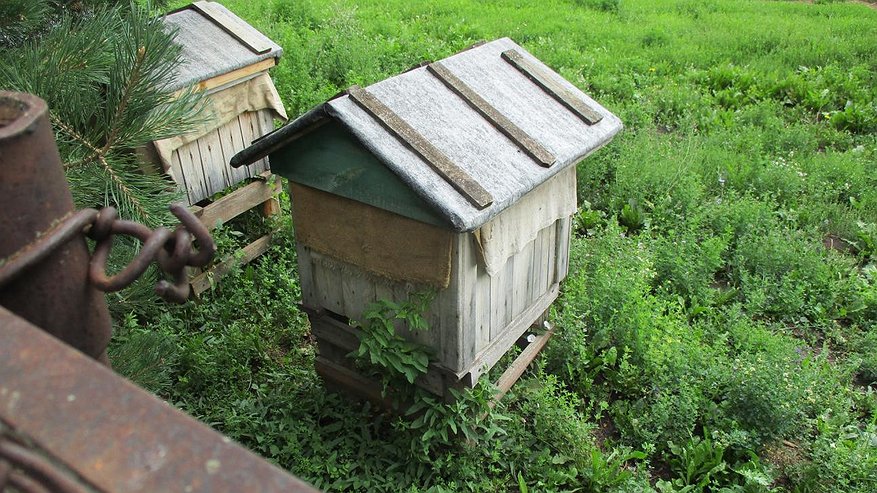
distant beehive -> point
(228, 58)
(458, 175)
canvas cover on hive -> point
(229, 59)
(466, 144)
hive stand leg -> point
(271, 206)
(254, 194)
(520, 364)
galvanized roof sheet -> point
(208, 49)
(473, 143)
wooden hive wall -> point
(201, 168)
(475, 320)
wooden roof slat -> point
(233, 27)
(450, 172)
(533, 148)
(557, 91)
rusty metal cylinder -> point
(55, 294)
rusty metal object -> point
(26, 469)
(104, 433)
(46, 273)
(172, 251)
(54, 294)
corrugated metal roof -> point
(209, 50)
(473, 143)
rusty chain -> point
(172, 250)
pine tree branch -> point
(123, 187)
(76, 136)
(98, 154)
(126, 95)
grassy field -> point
(718, 331)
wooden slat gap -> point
(441, 164)
(544, 80)
(519, 137)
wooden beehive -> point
(458, 175)
(229, 59)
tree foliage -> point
(104, 71)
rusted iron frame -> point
(82, 425)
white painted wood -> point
(550, 261)
(546, 250)
(522, 261)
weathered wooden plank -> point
(512, 332)
(359, 293)
(176, 172)
(241, 200)
(251, 126)
(453, 174)
(248, 135)
(483, 304)
(519, 365)
(328, 284)
(499, 310)
(231, 139)
(448, 307)
(265, 119)
(203, 281)
(562, 249)
(189, 159)
(236, 28)
(550, 261)
(306, 277)
(223, 79)
(213, 163)
(546, 81)
(347, 380)
(522, 261)
(467, 329)
(520, 138)
(546, 256)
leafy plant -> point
(380, 345)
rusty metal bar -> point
(114, 436)
(55, 294)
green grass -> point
(708, 340)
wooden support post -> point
(262, 192)
(520, 364)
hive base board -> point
(335, 340)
